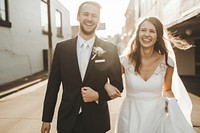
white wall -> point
(65, 22)
(21, 46)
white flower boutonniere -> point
(97, 51)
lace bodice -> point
(137, 86)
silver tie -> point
(84, 59)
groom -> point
(83, 65)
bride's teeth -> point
(146, 40)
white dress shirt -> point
(80, 42)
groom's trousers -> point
(79, 125)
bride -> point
(156, 100)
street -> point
(21, 112)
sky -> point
(112, 13)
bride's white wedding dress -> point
(143, 109)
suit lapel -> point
(75, 58)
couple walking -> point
(90, 72)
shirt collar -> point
(90, 42)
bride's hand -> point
(166, 105)
(167, 100)
(112, 91)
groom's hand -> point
(89, 95)
(45, 127)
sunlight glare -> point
(112, 14)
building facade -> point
(181, 17)
(24, 35)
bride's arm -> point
(112, 91)
(167, 87)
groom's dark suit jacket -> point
(65, 70)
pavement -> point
(191, 83)
(23, 83)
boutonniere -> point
(97, 51)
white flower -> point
(97, 51)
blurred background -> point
(26, 45)
(30, 29)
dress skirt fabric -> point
(149, 116)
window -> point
(59, 23)
(44, 16)
(4, 21)
(2, 10)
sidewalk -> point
(196, 112)
(22, 83)
(114, 105)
